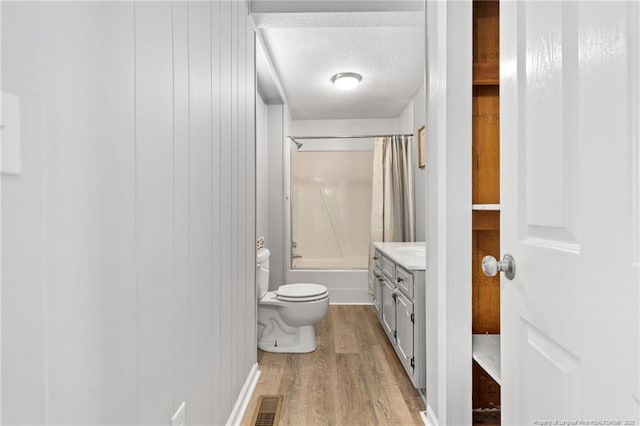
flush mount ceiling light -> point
(346, 80)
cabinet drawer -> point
(404, 281)
(388, 268)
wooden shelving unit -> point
(486, 203)
(485, 74)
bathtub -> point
(330, 263)
(346, 286)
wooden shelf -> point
(485, 220)
(486, 74)
(486, 352)
(486, 145)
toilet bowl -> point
(286, 317)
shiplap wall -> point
(128, 240)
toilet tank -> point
(262, 272)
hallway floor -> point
(353, 378)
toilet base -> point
(299, 340)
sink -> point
(410, 255)
(411, 251)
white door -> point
(569, 179)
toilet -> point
(286, 317)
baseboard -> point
(429, 417)
(235, 418)
(345, 286)
(349, 296)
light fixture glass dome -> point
(346, 80)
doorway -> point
(485, 211)
(314, 240)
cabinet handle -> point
(399, 279)
(376, 257)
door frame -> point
(448, 276)
(1, 217)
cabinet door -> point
(388, 309)
(378, 287)
(404, 327)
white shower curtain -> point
(392, 203)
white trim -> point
(272, 68)
(235, 418)
(286, 185)
(349, 296)
(1, 381)
(428, 417)
(448, 275)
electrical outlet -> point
(180, 417)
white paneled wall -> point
(128, 246)
(420, 175)
(262, 168)
(410, 121)
(275, 171)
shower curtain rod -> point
(349, 137)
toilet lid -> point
(300, 291)
(303, 299)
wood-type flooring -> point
(353, 377)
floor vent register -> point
(268, 410)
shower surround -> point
(330, 209)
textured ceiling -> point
(306, 49)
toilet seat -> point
(302, 299)
(303, 292)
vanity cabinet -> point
(404, 329)
(378, 290)
(388, 318)
(399, 303)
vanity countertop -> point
(412, 256)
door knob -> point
(490, 266)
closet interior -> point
(486, 211)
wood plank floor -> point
(353, 378)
